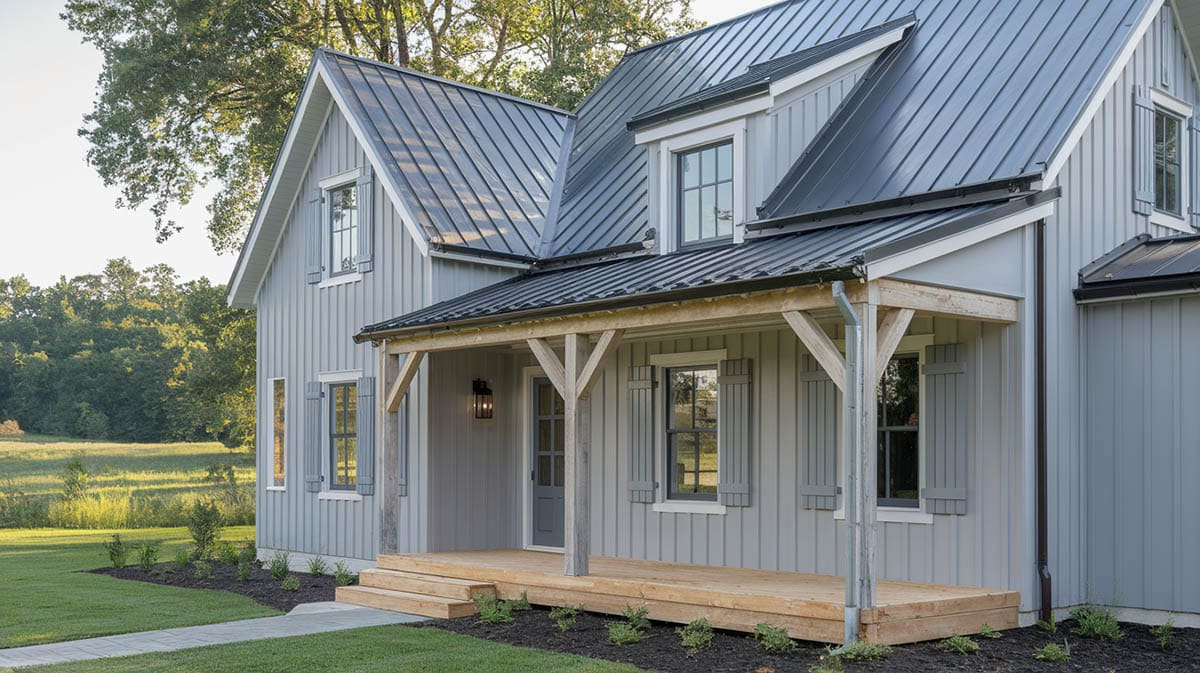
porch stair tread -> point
(438, 607)
(424, 584)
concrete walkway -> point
(303, 620)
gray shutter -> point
(1143, 152)
(366, 231)
(734, 420)
(1193, 169)
(312, 437)
(641, 434)
(819, 437)
(947, 443)
(313, 237)
(365, 436)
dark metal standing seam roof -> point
(1143, 265)
(478, 168)
(982, 90)
(786, 259)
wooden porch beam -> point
(944, 301)
(408, 370)
(891, 330)
(819, 345)
(550, 364)
(608, 343)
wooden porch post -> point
(394, 379)
(577, 514)
(868, 441)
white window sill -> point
(340, 280)
(686, 507)
(350, 496)
(1171, 222)
(541, 547)
(895, 515)
(279, 489)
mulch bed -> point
(1013, 653)
(261, 587)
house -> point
(876, 290)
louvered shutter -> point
(1193, 169)
(734, 419)
(819, 433)
(1143, 152)
(641, 434)
(947, 442)
(365, 437)
(313, 238)
(312, 436)
(366, 225)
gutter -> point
(851, 403)
(1046, 587)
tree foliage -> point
(199, 90)
(127, 355)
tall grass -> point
(100, 510)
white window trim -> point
(332, 281)
(667, 180)
(662, 503)
(327, 492)
(340, 180)
(914, 343)
(1176, 108)
(287, 424)
(528, 374)
(351, 496)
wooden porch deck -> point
(810, 606)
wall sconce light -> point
(483, 399)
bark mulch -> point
(261, 587)
(1013, 653)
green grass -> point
(45, 598)
(383, 649)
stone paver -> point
(303, 620)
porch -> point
(810, 606)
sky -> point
(60, 219)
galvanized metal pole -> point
(851, 403)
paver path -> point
(303, 620)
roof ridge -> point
(443, 80)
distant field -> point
(151, 477)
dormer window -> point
(343, 230)
(1167, 171)
(705, 179)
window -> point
(278, 430)
(1167, 172)
(343, 435)
(899, 431)
(705, 206)
(692, 432)
(343, 230)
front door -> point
(547, 465)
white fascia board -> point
(872, 47)
(1059, 157)
(881, 268)
(479, 259)
(718, 115)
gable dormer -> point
(714, 155)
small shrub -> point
(317, 566)
(203, 569)
(244, 571)
(204, 525)
(1051, 652)
(827, 663)
(118, 553)
(1050, 627)
(279, 565)
(623, 633)
(228, 554)
(773, 639)
(1165, 633)
(636, 616)
(696, 636)
(342, 575)
(18, 509)
(75, 479)
(182, 559)
(290, 583)
(11, 427)
(492, 611)
(564, 617)
(986, 631)
(1096, 623)
(147, 555)
(520, 604)
(248, 552)
(862, 651)
(959, 645)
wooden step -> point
(429, 585)
(403, 601)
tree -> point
(200, 90)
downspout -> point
(851, 403)
(1043, 500)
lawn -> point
(45, 599)
(381, 648)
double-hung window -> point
(1168, 186)
(705, 180)
(343, 229)
(343, 436)
(692, 432)
(899, 399)
(278, 432)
